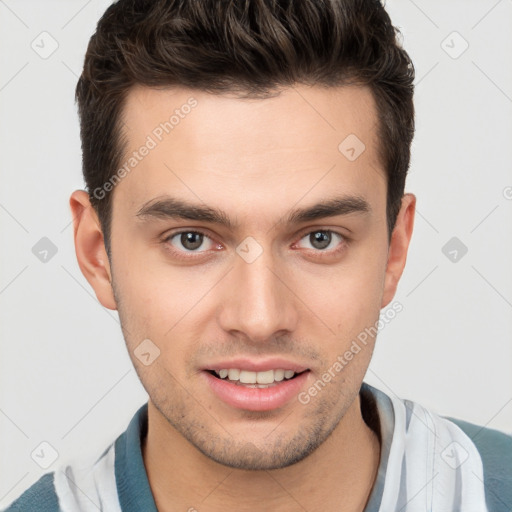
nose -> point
(258, 301)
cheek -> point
(348, 298)
(142, 296)
(160, 304)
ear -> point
(90, 248)
(397, 252)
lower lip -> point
(256, 399)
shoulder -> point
(495, 449)
(72, 486)
(40, 496)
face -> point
(246, 239)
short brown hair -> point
(247, 47)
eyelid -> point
(314, 229)
(190, 254)
(344, 240)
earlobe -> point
(398, 247)
(90, 248)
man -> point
(245, 214)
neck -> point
(338, 475)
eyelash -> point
(193, 254)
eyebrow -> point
(169, 207)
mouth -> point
(256, 387)
(255, 380)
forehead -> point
(220, 148)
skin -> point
(256, 160)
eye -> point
(324, 240)
(189, 241)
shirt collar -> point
(131, 478)
(132, 482)
(372, 399)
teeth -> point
(278, 375)
(264, 377)
(233, 374)
(248, 377)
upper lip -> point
(254, 365)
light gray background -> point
(65, 375)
